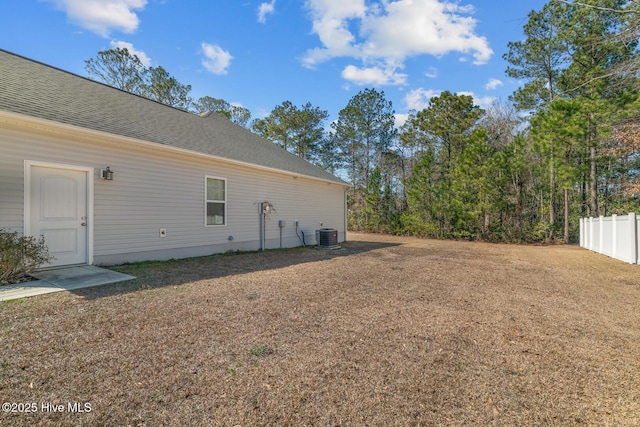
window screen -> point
(216, 201)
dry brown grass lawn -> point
(386, 331)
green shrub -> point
(20, 256)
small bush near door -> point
(20, 256)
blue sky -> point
(260, 53)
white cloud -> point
(432, 27)
(389, 32)
(493, 84)
(432, 73)
(484, 101)
(481, 101)
(103, 16)
(265, 9)
(418, 99)
(146, 61)
(330, 23)
(400, 119)
(373, 76)
(216, 60)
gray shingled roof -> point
(38, 90)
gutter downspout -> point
(345, 214)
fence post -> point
(601, 231)
(614, 228)
(634, 237)
(590, 247)
(581, 232)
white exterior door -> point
(59, 212)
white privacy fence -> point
(614, 236)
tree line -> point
(566, 144)
(122, 69)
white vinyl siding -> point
(155, 188)
(216, 202)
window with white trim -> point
(216, 201)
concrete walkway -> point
(62, 279)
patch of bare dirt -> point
(385, 331)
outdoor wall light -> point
(107, 174)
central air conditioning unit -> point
(327, 238)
